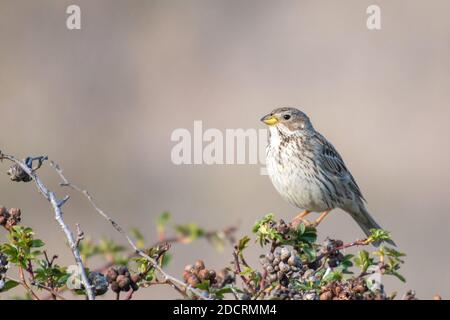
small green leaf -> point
(204, 285)
(243, 243)
(399, 276)
(9, 285)
(191, 231)
(219, 293)
(37, 243)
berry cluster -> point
(121, 279)
(9, 218)
(294, 274)
(198, 273)
(352, 289)
(282, 265)
(290, 293)
(330, 248)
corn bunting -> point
(308, 172)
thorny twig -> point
(49, 289)
(80, 235)
(238, 272)
(174, 282)
(53, 292)
(171, 240)
(57, 208)
(357, 243)
(228, 231)
(50, 261)
(24, 284)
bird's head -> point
(289, 120)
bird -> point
(308, 172)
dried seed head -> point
(199, 265)
(15, 212)
(115, 287)
(270, 257)
(135, 278)
(285, 254)
(327, 295)
(186, 275)
(17, 174)
(122, 270)
(203, 274)
(4, 212)
(111, 274)
(123, 282)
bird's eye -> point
(286, 117)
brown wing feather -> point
(334, 165)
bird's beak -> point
(269, 120)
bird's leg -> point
(300, 218)
(320, 218)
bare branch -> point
(174, 282)
(57, 205)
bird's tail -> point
(366, 222)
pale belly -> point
(297, 187)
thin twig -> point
(57, 208)
(356, 243)
(171, 240)
(228, 231)
(170, 279)
(238, 272)
(80, 235)
(50, 261)
(24, 284)
(129, 295)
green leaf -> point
(399, 276)
(9, 285)
(166, 259)
(363, 260)
(219, 293)
(37, 243)
(204, 285)
(191, 231)
(265, 220)
(394, 253)
(243, 243)
(310, 252)
(302, 228)
(335, 275)
(378, 235)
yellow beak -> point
(269, 120)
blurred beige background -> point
(103, 102)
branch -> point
(23, 282)
(174, 282)
(238, 272)
(228, 231)
(57, 208)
